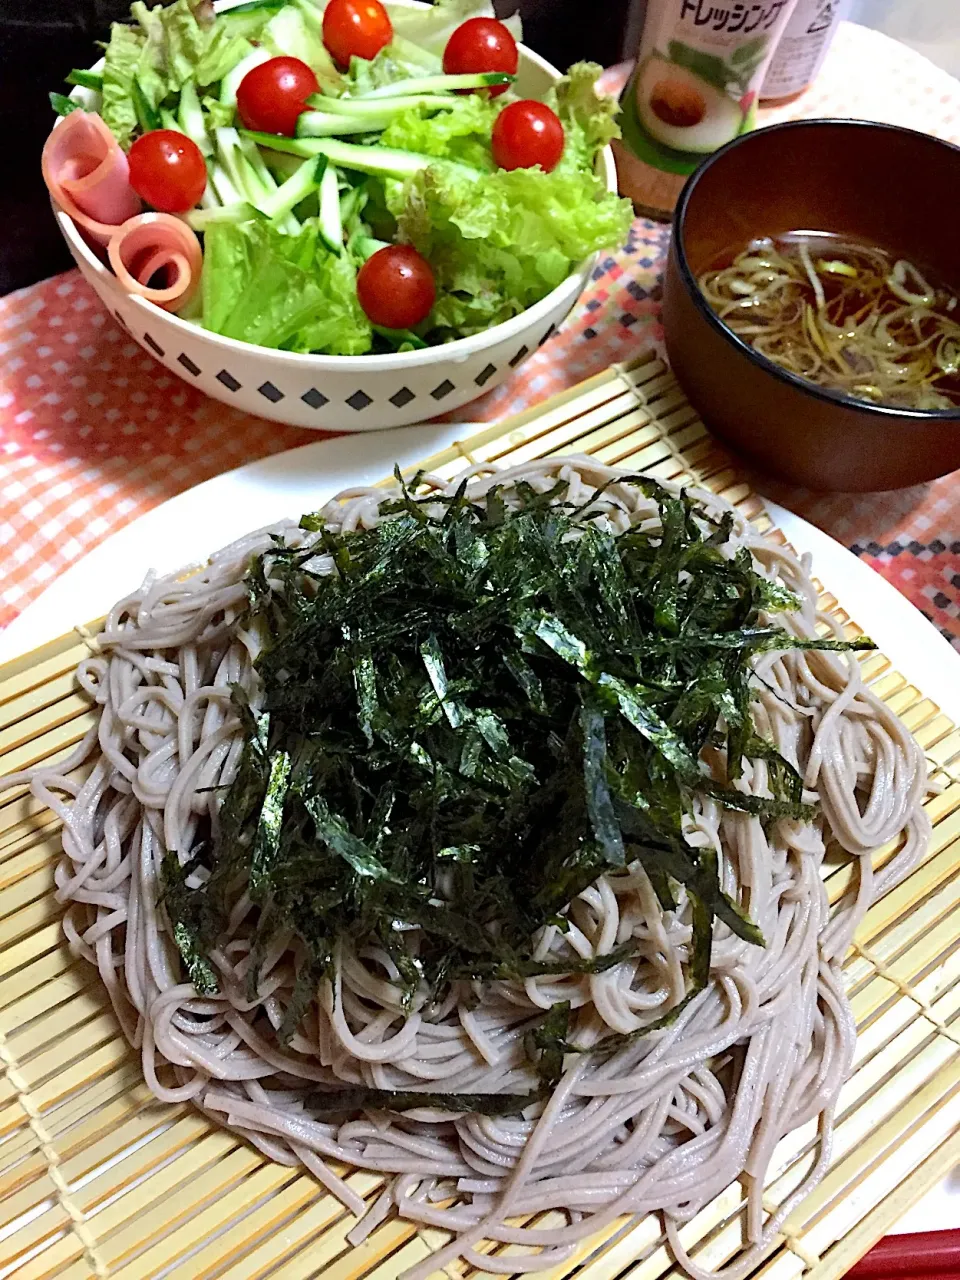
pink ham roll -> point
(152, 244)
(87, 174)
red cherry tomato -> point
(478, 45)
(273, 95)
(167, 169)
(355, 29)
(527, 133)
(395, 287)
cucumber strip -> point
(321, 124)
(397, 337)
(191, 119)
(331, 224)
(350, 203)
(63, 105)
(248, 19)
(222, 184)
(279, 165)
(365, 107)
(366, 246)
(232, 80)
(296, 188)
(210, 199)
(169, 121)
(86, 80)
(252, 6)
(243, 211)
(230, 156)
(252, 180)
(256, 161)
(439, 84)
(148, 117)
(386, 162)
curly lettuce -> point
(499, 240)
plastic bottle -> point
(695, 88)
(802, 48)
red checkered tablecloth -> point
(93, 432)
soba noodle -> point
(665, 1123)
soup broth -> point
(844, 315)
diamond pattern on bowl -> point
(228, 380)
(400, 399)
(314, 398)
(359, 400)
(485, 375)
(152, 343)
(270, 392)
(188, 364)
(515, 360)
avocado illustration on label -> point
(683, 103)
(683, 110)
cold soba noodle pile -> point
(476, 838)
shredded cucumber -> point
(191, 120)
(322, 124)
(232, 80)
(438, 84)
(296, 188)
(242, 211)
(331, 225)
(379, 108)
(384, 161)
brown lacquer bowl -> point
(893, 187)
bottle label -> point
(803, 47)
(694, 89)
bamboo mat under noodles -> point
(97, 1178)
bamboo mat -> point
(97, 1178)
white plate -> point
(191, 526)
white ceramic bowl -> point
(341, 393)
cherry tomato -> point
(395, 287)
(273, 95)
(478, 45)
(355, 29)
(167, 169)
(525, 134)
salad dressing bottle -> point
(694, 89)
(801, 50)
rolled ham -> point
(153, 244)
(87, 174)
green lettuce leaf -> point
(589, 118)
(216, 114)
(167, 47)
(462, 133)
(431, 28)
(187, 43)
(397, 61)
(297, 33)
(499, 243)
(120, 65)
(277, 290)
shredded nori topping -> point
(466, 722)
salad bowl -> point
(332, 392)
